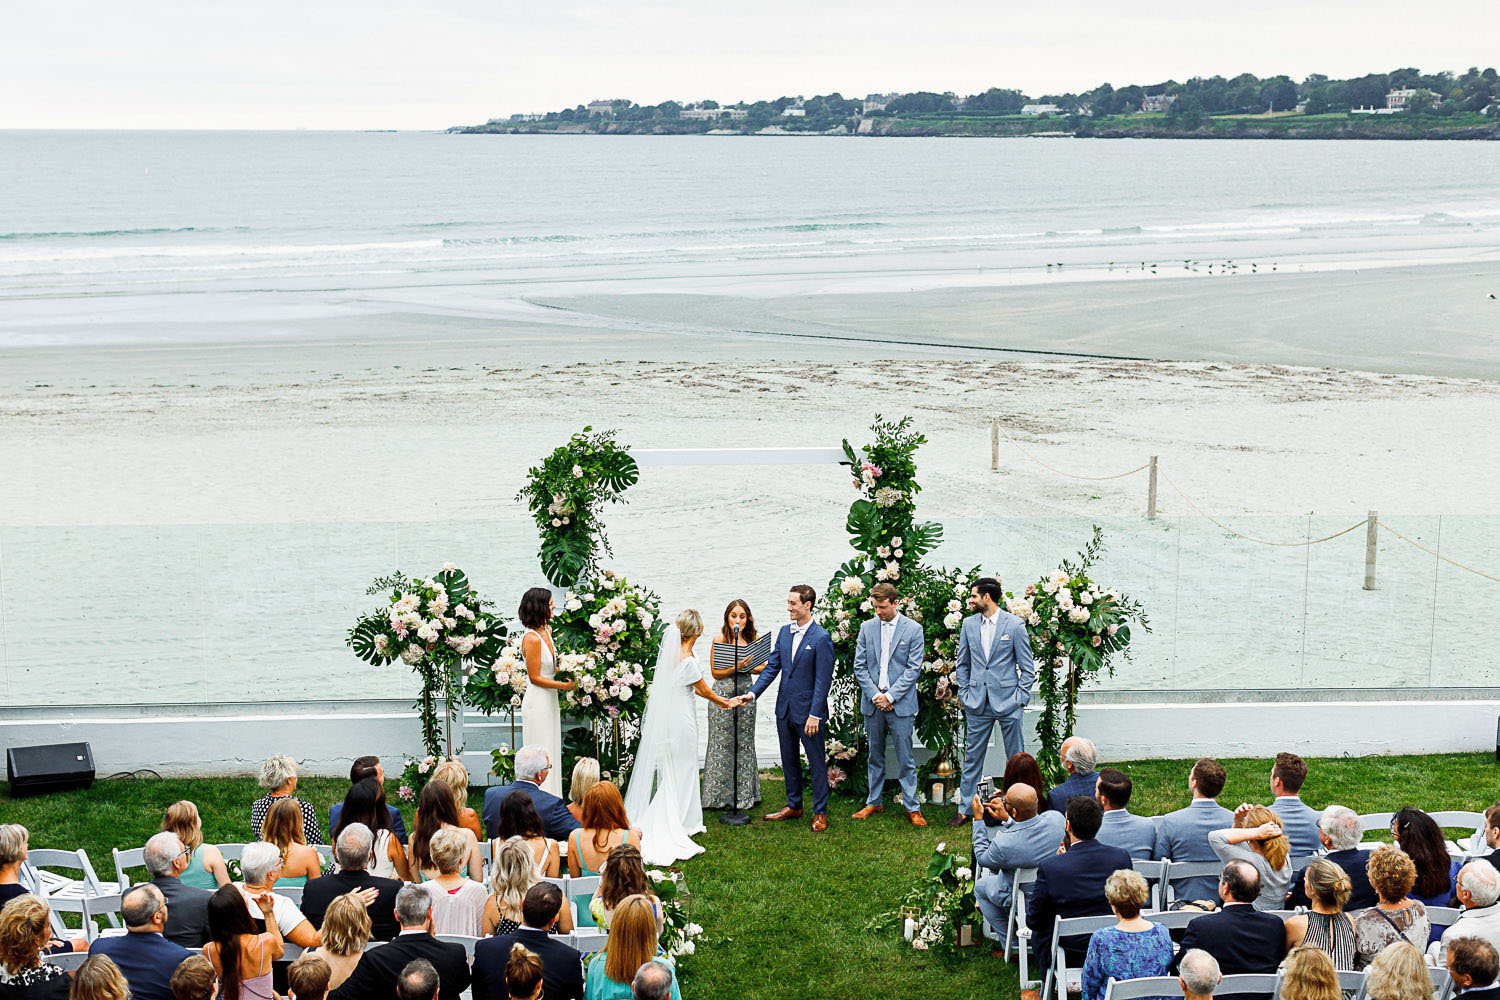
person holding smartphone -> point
(1009, 834)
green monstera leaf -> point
(362, 640)
(565, 556)
(619, 471)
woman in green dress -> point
(206, 868)
(283, 827)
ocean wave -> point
(84, 234)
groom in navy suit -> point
(804, 652)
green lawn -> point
(786, 911)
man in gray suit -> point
(187, 906)
(1023, 840)
(1120, 828)
(887, 664)
(994, 673)
(1183, 835)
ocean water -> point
(120, 236)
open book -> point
(759, 652)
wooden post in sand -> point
(1151, 493)
(994, 445)
(1370, 525)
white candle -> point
(910, 928)
(937, 791)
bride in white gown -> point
(663, 800)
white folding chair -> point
(93, 907)
(231, 852)
(1351, 982)
(1177, 871)
(1015, 921)
(1265, 983)
(1155, 873)
(292, 892)
(1376, 821)
(1443, 916)
(133, 858)
(583, 885)
(65, 894)
(68, 961)
(1471, 821)
(588, 939)
(1058, 971)
(463, 939)
(1150, 986)
(1442, 983)
(1175, 920)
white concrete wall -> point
(234, 739)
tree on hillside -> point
(1278, 93)
(1187, 113)
(1007, 102)
(921, 102)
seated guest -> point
(143, 953)
(653, 981)
(308, 977)
(374, 978)
(585, 776)
(1489, 837)
(1072, 884)
(418, 980)
(1310, 975)
(1422, 839)
(1473, 964)
(364, 804)
(166, 858)
(1183, 835)
(1398, 973)
(1326, 926)
(361, 769)
(1240, 938)
(456, 777)
(205, 864)
(605, 827)
(1257, 838)
(1134, 948)
(194, 979)
(1478, 891)
(518, 818)
(1079, 760)
(457, 900)
(352, 852)
(283, 827)
(1339, 833)
(1395, 917)
(1135, 835)
(261, 864)
(98, 978)
(278, 775)
(523, 975)
(561, 971)
(624, 875)
(25, 930)
(632, 943)
(1022, 769)
(345, 932)
(437, 809)
(1198, 974)
(533, 764)
(1300, 822)
(512, 875)
(1022, 840)
(13, 843)
(242, 956)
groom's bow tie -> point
(799, 629)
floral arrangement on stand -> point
(438, 626)
(939, 913)
(679, 934)
(499, 687)
(1076, 626)
(414, 775)
(890, 544)
(566, 494)
(608, 633)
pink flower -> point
(836, 776)
(406, 793)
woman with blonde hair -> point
(1134, 948)
(1399, 972)
(456, 776)
(99, 978)
(512, 874)
(206, 868)
(345, 932)
(585, 776)
(1325, 926)
(457, 901)
(1256, 837)
(283, 827)
(1310, 975)
(1396, 917)
(632, 943)
(664, 798)
(25, 932)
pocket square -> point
(1005, 638)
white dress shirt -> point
(887, 636)
(798, 631)
(987, 626)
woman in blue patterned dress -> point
(1134, 948)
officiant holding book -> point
(735, 668)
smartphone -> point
(986, 789)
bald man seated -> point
(1009, 834)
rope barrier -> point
(1434, 552)
(1259, 541)
(1038, 461)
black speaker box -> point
(50, 768)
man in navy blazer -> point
(1182, 835)
(1072, 884)
(804, 653)
(532, 764)
(562, 968)
(1136, 835)
(362, 768)
(146, 958)
(1241, 938)
(887, 665)
(1339, 831)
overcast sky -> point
(378, 64)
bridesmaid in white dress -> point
(541, 718)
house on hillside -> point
(605, 107)
(1036, 110)
(1397, 100)
(878, 102)
(794, 110)
(1157, 104)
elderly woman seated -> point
(25, 932)
(1134, 948)
(278, 775)
(261, 863)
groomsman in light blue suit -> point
(994, 674)
(887, 664)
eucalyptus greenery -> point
(566, 494)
